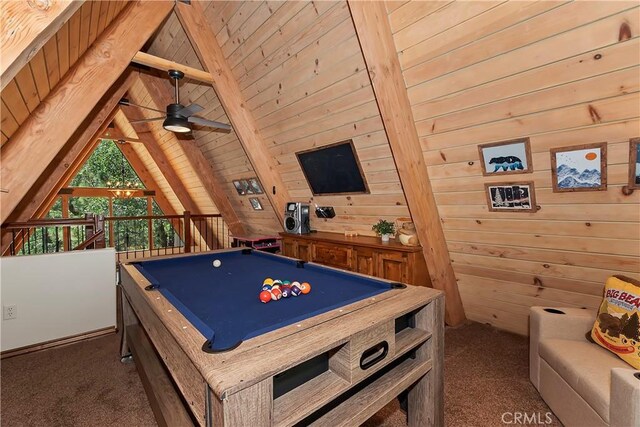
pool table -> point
(333, 356)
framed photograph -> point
(241, 186)
(579, 168)
(254, 186)
(511, 197)
(255, 204)
(634, 163)
(506, 157)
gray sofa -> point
(583, 384)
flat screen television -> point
(333, 169)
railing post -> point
(66, 231)
(187, 231)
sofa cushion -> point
(585, 367)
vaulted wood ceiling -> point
(23, 94)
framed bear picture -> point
(506, 157)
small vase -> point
(385, 237)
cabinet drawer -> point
(335, 256)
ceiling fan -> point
(179, 118)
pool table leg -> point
(128, 318)
(249, 407)
(426, 397)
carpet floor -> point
(84, 384)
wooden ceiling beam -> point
(27, 26)
(67, 162)
(158, 63)
(55, 120)
(378, 47)
(161, 95)
(204, 42)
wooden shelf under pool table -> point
(269, 379)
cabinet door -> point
(364, 262)
(290, 248)
(304, 250)
(392, 266)
(332, 255)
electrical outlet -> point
(9, 312)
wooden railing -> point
(41, 236)
(132, 236)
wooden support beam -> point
(211, 57)
(45, 132)
(67, 162)
(376, 40)
(160, 95)
(26, 27)
(144, 58)
(100, 192)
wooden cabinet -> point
(362, 254)
(364, 261)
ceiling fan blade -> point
(223, 127)
(131, 104)
(190, 110)
(147, 120)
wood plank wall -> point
(40, 75)
(561, 73)
(300, 68)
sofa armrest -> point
(624, 407)
(557, 323)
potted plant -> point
(384, 229)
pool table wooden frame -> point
(235, 388)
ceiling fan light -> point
(176, 124)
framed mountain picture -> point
(506, 157)
(579, 168)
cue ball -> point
(217, 263)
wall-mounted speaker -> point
(296, 218)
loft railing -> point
(41, 236)
(132, 236)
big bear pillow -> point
(617, 326)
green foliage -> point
(105, 164)
(384, 227)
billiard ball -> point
(286, 282)
(277, 282)
(276, 294)
(268, 281)
(266, 287)
(265, 296)
(295, 291)
(286, 291)
(217, 263)
(296, 283)
(305, 288)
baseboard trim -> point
(57, 342)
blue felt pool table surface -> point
(223, 302)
